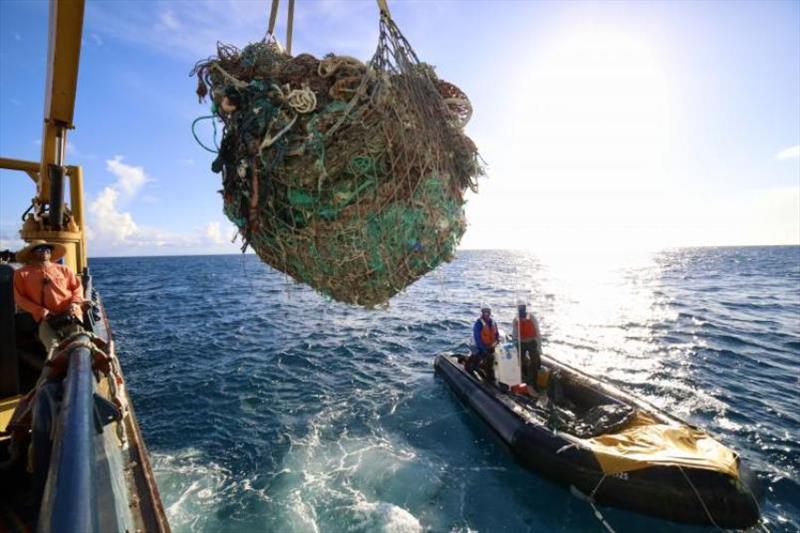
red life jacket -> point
(488, 332)
(527, 328)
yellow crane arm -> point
(63, 56)
(50, 219)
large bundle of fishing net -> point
(347, 176)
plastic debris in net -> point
(348, 177)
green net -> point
(347, 176)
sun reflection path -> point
(605, 312)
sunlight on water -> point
(592, 300)
(605, 312)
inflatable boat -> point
(607, 445)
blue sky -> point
(608, 124)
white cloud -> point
(96, 38)
(214, 233)
(111, 226)
(130, 179)
(113, 230)
(111, 223)
(169, 21)
(9, 236)
(793, 152)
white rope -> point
(590, 499)
(268, 141)
(596, 487)
(566, 447)
(597, 512)
(302, 100)
(697, 493)
(601, 518)
(239, 84)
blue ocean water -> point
(269, 408)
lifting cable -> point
(289, 26)
(273, 19)
(383, 6)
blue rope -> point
(194, 133)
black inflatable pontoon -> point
(526, 422)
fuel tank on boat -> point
(612, 447)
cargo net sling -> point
(347, 176)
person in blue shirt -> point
(486, 337)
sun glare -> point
(588, 162)
(600, 112)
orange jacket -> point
(488, 333)
(526, 329)
(33, 294)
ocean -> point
(267, 407)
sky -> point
(608, 125)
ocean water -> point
(269, 408)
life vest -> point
(488, 332)
(527, 328)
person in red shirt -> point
(46, 289)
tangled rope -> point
(302, 100)
(233, 80)
(329, 65)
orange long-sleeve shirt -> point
(33, 294)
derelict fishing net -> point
(347, 176)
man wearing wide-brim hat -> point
(46, 289)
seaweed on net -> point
(347, 176)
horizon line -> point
(665, 249)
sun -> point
(588, 161)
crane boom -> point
(63, 56)
(50, 219)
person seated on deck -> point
(50, 292)
(486, 337)
(528, 337)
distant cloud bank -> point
(113, 230)
(793, 152)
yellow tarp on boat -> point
(645, 443)
(7, 407)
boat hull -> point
(689, 495)
(73, 457)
